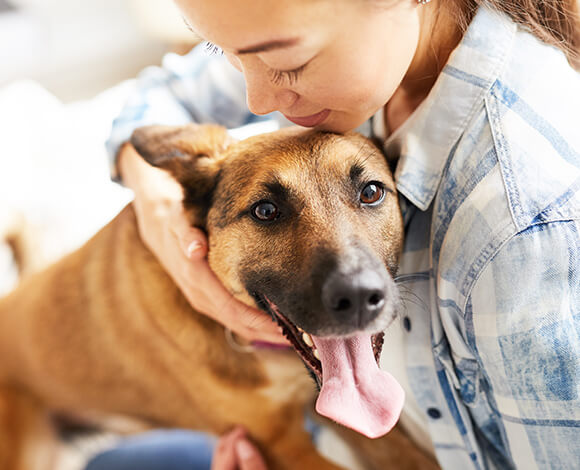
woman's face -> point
(325, 63)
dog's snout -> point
(354, 299)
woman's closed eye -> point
(288, 77)
(277, 77)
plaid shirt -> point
(489, 177)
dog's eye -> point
(373, 193)
(265, 211)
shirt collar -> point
(426, 141)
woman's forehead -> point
(245, 24)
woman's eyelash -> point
(278, 77)
(209, 47)
(212, 49)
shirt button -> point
(407, 323)
(434, 413)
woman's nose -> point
(262, 96)
(264, 100)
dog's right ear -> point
(184, 151)
(193, 154)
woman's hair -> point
(556, 22)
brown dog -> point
(303, 224)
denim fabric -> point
(489, 177)
(198, 87)
(158, 450)
(489, 173)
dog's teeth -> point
(316, 354)
(307, 339)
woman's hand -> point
(235, 452)
(182, 249)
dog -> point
(302, 224)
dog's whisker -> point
(371, 153)
(359, 151)
(408, 296)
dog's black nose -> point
(354, 299)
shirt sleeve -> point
(198, 87)
(525, 325)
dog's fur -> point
(105, 329)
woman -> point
(479, 102)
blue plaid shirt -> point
(489, 177)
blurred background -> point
(66, 68)
(77, 48)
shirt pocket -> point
(463, 373)
(476, 398)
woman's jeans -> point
(158, 450)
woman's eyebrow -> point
(261, 47)
(268, 46)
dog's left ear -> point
(193, 154)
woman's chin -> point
(340, 124)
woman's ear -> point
(193, 154)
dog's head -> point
(304, 224)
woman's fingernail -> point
(244, 450)
(193, 247)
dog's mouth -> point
(304, 344)
(353, 390)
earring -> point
(423, 2)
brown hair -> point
(556, 22)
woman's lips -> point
(312, 120)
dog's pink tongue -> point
(355, 392)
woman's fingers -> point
(182, 250)
(192, 240)
(235, 452)
(224, 457)
(218, 303)
(248, 456)
(206, 292)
